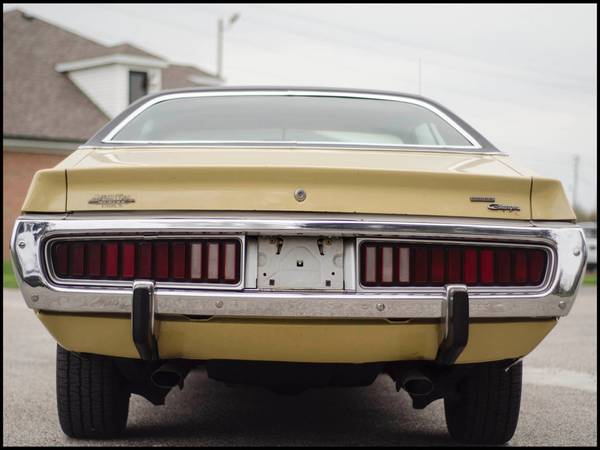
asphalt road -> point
(558, 405)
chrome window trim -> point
(566, 239)
(270, 145)
(514, 290)
(287, 92)
(90, 282)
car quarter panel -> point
(47, 192)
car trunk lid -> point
(265, 179)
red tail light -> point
(521, 267)
(144, 260)
(76, 259)
(160, 257)
(437, 265)
(199, 261)
(470, 266)
(421, 265)
(486, 266)
(93, 259)
(455, 265)
(61, 259)
(179, 261)
(537, 266)
(110, 260)
(128, 260)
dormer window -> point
(138, 85)
(114, 81)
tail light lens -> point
(401, 264)
(214, 261)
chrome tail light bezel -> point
(492, 289)
(48, 268)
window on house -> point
(138, 85)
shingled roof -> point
(180, 76)
(41, 103)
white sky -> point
(522, 75)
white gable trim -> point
(128, 60)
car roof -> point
(289, 88)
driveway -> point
(558, 405)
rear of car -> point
(292, 239)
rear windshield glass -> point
(298, 119)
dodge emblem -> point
(111, 200)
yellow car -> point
(295, 238)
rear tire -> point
(485, 409)
(92, 399)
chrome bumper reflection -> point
(556, 299)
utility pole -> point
(221, 27)
(575, 178)
(419, 76)
(220, 48)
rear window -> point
(290, 119)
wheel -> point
(92, 399)
(485, 408)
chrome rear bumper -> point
(553, 299)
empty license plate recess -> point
(294, 263)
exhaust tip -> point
(418, 386)
(171, 374)
(165, 379)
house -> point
(60, 88)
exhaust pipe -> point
(415, 383)
(171, 374)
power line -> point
(244, 41)
(321, 38)
(162, 21)
(364, 33)
(389, 38)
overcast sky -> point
(522, 75)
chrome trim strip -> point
(251, 263)
(567, 242)
(287, 92)
(328, 146)
(350, 271)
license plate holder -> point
(300, 263)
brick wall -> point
(18, 170)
